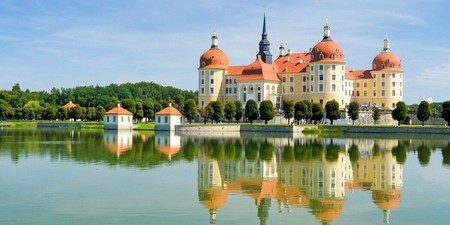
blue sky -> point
(54, 43)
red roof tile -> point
(293, 63)
(169, 110)
(69, 105)
(259, 70)
(118, 111)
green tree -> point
(239, 111)
(75, 113)
(156, 108)
(424, 112)
(129, 104)
(266, 110)
(148, 109)
(100, 112)
(399, 113)
(230, 111)
(376, 114)
(251, 110)
(190, 110)
(353, 153)
(3, 109)
(139, 114)
(445, 113)
(300, 111)
(353, 111)
(206, 113)
(309, 113)
(62, 113)
(288, 110)
(332, 110)
(91, 114)
(317, 112)
(218, 110)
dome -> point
(327, 50)
(214, 57)
(387, 60)
(387, 199)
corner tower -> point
(264, 45)
(214, 65)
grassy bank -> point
(145, 126)
(320, 130)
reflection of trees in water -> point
(424, 154)
(353, 153)
(446, 155)
(189, 149)
(266, 150)
(332, 152)
(310, 150)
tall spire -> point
(264, 45)
(386, 48)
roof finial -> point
(386, 47)
(326, 31)
(214, 40)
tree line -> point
(142, 99)
(303, 111)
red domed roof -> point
(327, 51)
(214, 58)
(387, 199)
(387, 61)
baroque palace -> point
(319, 75)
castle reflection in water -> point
(304, 173)
(311, 173)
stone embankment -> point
(390, 129)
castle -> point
(319, 75)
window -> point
(203, 90)
(357, 93)
(235, 90)
(312, 68)
(374, 84)
(392, 65)
(212, 81)
(284, 79)
(129, 119)
(304, 78)
(365, 84)
(121, 119)
(383, 66)
(393, 75)
(284, 89)
(107, 119)
(304, 88)
(159, 118)
(357, 84)
(383, 93)
(226, 81)
(342, 88)
(312, 88)
(291, 89)
(333, 77)
(333, 87)
(312, 78)
(365, 93)
(393, 83)
(374, 93)
(333, 56)
(374, 76)
(211, 90)
(203, 63)
(382, 84)
(393, 92)
(320, 77)
(320, 67)
(259, 97)
(320, 56)
(400, 93)
(400, 84)
(166, 119)
(211, 73)
(383, 75)
(393, 105)
(203, 73)
(320, 87)
(321, 101)
(291, 79)
(114, 119)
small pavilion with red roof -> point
(118, 118)
(168, 118)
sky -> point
(64, 44)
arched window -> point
(320, 56)
(333, 56)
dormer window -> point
(374, 66)
(383, 66)
(320, 56)
(333, 56)
(392, 65)
(203, 63)
(222, 63)
(212, 57)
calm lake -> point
(95, 177)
